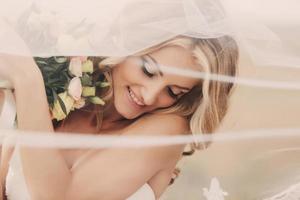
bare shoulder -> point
(144, 162)
(160, 124)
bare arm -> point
(116, 173)
(161, 181)
(43, 168)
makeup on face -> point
(141, 86)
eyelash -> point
(147, 72)
(170, 92)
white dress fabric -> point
(16, 188)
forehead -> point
(178, 58)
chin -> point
(125, 112)
(125, 106)
(128, 115)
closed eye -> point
(144, 68)
(175, 95)
(172, 94)
(147, 72)
(150, 75)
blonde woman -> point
(143, 100)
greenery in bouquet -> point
(70, 84)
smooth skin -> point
(111, 173)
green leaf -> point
(60, 59)
(96, 100)
(60, 68)
(53, 80)
(102, 84)
(66, 77)
(62, 105)
(47, 68)
(54, 94)
(51, 96)
(86, 80)
(41, 62)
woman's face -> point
(140, 87)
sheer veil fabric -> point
(249, 164)
(47, 28)
(15, 187)
(109, 28)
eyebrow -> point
(157, 65)
(162, 74)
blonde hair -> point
(206, 104)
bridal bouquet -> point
(70, 84)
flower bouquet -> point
(70, 84)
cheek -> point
(165, 101)
(126, 74)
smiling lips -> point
(134, 98)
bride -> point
(144, 101)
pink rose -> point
(75, 67)
(75, 88)
(82, 58)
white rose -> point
(75, 88)
(57, 112)
(88, 91)
(88, 66)
(97, 100)
(79, 104)
(75, 67)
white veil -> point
(118, 28)
(109, 28)
(268, 36)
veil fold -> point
(123, 27)
(109, 28)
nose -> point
(151, 93)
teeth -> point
(135, 99)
